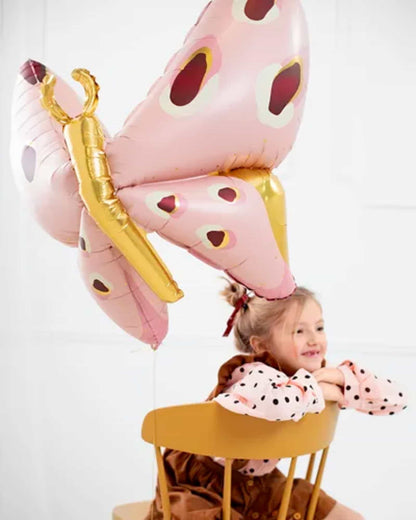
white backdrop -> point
(74, 388)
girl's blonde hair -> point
(258, 315)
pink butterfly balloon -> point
(231, 98)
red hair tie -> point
(239, 303)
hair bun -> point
(232, 292)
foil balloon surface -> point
(192, 162)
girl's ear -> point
(257, 344)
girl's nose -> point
(312, 340)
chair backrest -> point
(209, 429)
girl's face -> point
(300, 340)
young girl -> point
(281, 376)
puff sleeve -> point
(264, 392)
(365, 392)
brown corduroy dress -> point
(195, 482)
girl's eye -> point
(299, 331)
(321, 328)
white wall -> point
(75, 389)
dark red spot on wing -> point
(33, 71)
(100, 286)
(188, 82)
(82, 244)
(167, 204)
(216, 237)
(257, 9)
(227, 194)
(284, 87)
(29, 162)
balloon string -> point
(154, 477)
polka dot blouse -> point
(259, 390)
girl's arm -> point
(264, 392)
(367, 393)
(362, 390)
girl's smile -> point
(311, 353)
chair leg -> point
(317, 486)
(309, 472)
(163, 485)
(226, 499)
(284, 505)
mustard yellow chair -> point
(209, 429)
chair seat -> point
(134, 511)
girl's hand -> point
(329, 375)
(332, 392)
